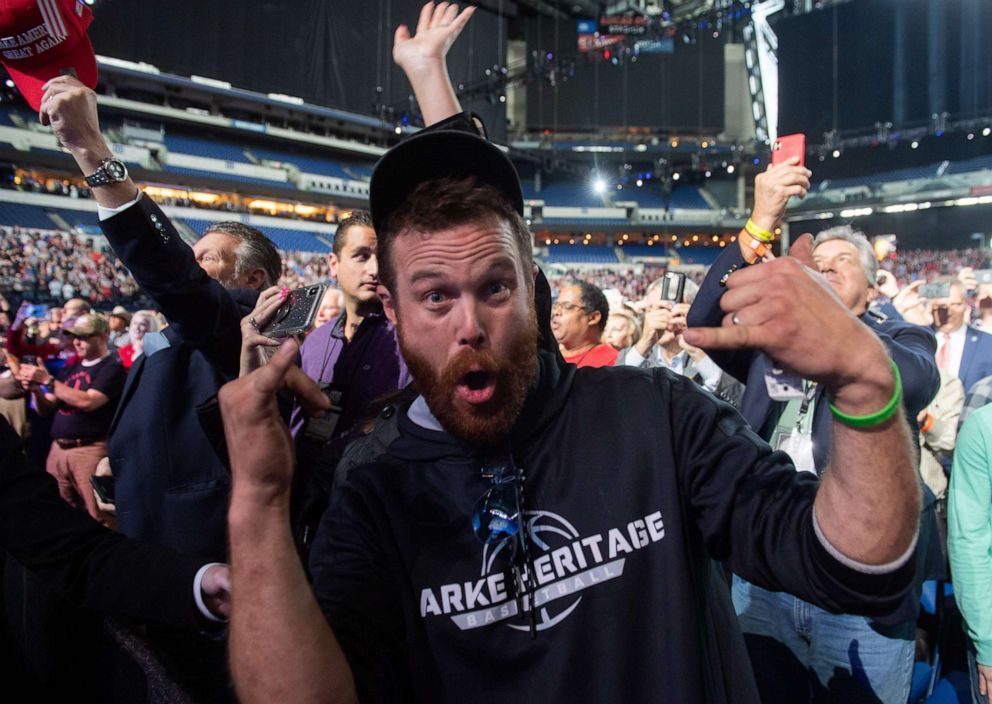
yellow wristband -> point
(757, 232)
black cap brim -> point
(431, 155)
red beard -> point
(481, 424)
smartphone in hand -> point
(784, 148)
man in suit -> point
(849, 658)
(171, 487)
(961, 349)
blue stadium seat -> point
(587, 222)
(928, 597)
(921, 679)
(643, 250)
(581, 254)
(25, 215)
(955, 688)
(196, 146)
(569, 194)
(317, 165)
(237, 178)
(976, 164)
(34, 216)
(698, 255)
(283, 238)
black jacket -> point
(636, 481)
(171, 488)
(89, 565)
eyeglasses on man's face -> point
(560, 308)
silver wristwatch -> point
(111, 170)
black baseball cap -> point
(439, 153)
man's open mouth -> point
(477, 386)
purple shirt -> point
(364, 369)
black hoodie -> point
(636, 481)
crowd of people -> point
(470, 480)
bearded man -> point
(500, 541)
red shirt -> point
(602, 355)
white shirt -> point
(957, 339)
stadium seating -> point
(283, 238)
(227, 176)
(580, 254)
(698, 255)
(643, 250)
(196, 146)
(33, 216)
(316, 165)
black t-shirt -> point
(106, 376)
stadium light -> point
(676, 176)
(599, 185)
(987, 131)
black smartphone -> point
(297, 313)
(104, 488)
(673, 287)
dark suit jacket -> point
(171, 488)
(912, 349)
(90, 565)
(976, 359)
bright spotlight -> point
(599, 185)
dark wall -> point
(853, 64)
(680, 92)
(328, 53)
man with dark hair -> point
(357, 358)
(253, 252)
(578, 319)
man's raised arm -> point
(282, 648)
(422, 58)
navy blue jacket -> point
(976, 359)
(912, 348)
(171, 488)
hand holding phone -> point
(297, 313)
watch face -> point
(116, 170)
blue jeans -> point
(801, 653)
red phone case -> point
(786, 147)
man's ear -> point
(332, 262)
(594, 318)
(388, 304)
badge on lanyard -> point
(796, 438)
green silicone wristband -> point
(870, 421)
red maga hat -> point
(40, 39)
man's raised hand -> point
(437, 29)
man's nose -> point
(471, 331)
(373, 267)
